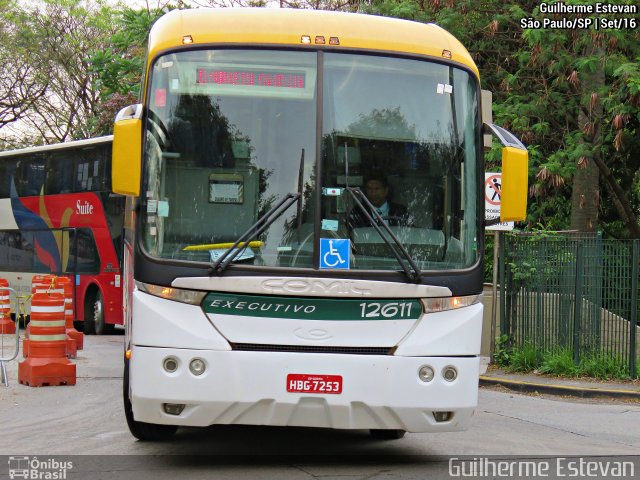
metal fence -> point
(572, 292)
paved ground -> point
(88, 419)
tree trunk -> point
(585, 195)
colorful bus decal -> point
(44, 213)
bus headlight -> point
(192, 297)
(440, 304)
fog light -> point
(442, 416)
(449, 374)
(173, 408)
(426, 373)
(197, 366)
(170, 364)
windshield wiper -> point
(413, 276)
(254, 231)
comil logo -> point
(32, 468)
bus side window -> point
(59, 175)
(8, 169)
(88, 260)
(90, 170)
(32, 172)
(17, 253)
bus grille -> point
(257, 347)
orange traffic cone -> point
(73, 336)
(47, 363)
(39, 284)
(7, 326)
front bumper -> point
(238, 387)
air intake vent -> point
(257, 347)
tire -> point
(94, 322)
(100, 326)
(143, 431)
(88, 325)
(387, 434)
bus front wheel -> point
(140, 430)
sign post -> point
(492, 190)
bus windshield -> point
(231, 132)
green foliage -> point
(544, 81)
(503, 352)
(559, 363)
(119, 66)
(525, 359)
(528, 358)
(603, 367)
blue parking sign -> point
(334, 253)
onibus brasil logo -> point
(32, 468)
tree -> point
(55, 39)
(573, 96)
(118, 66)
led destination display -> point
(248, 77)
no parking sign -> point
(492, 191)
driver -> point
(376, 188)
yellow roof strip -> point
(266, 26)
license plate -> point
(304, 383)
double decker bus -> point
(252, 295)
(58, 215)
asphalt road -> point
(87, 419)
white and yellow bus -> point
(262, 287)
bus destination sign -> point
(251, 77)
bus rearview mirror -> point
(515, 184)
(126, 157)
(515, 174)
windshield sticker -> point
(226, 188)
(245, 254)
(442, 88)
(163, 208)
(332, 192)
(331, 225)
(161, 97)
(334, 253)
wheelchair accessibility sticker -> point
(334, 253)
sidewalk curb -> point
(583, 392)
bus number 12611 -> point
(386, 310)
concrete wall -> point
(485, 346)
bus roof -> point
(267, 26)
(58, 146)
